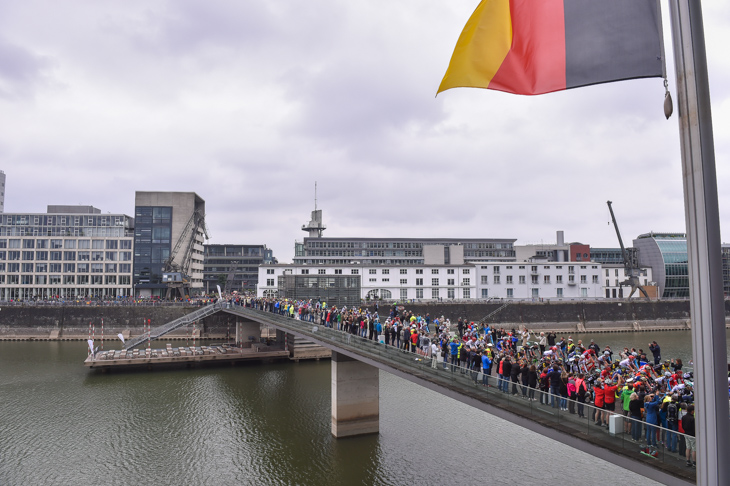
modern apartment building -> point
(234, 267)
(69, 252)
(167, 223)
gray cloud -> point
(249, 103)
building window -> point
(305, 271)
(434, 271)
(434, 282)
(509, 279)
(485, 280)
(338, 271)
(522, 279)
(419, 281)
(404, 271)
(321, 271)
(510, 293)
(496, 280)
(450, 293)
(485, 293)
(450, 281)
(466, 293)
(404, 281)
(269, 271)
(595, 279)
(546, 279)
(465, 271)
(559, 292)
(584, 292)
(385, 271)
(534, 279)
(465, 281)
(269, 282)
(434, 293)
(571, 269)
(403, 294)
(372, 271)
(496, 269)
(419, 293)
(535, 293)
(419, 271)
(450, 271)
(372, 280)
(558, 279)
(583, 279)
(386, 280)
(354, 271)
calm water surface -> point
(258, 424)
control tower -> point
(315, 226)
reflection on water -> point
(253, 424)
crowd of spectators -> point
(656, 396)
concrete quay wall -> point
(72, 322)
(574, 316)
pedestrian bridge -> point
(355, 395)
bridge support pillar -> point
(246, 329)
(355, 397)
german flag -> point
(533, 47)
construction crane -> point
(177, 275)
(231, 276)
(631, 272)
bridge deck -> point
(562, 426)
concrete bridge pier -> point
(245, 329)
(355, 397)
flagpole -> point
(703, 244)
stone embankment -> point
(72, 322)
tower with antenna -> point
(315, 226)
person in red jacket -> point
(609, 399)
(598, 401)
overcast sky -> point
(249, 103)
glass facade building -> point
(162, 222)
(666, 254)
(71, 252)
(400, 251)
(234, 267)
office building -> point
(69, 252)
(2, 191)
(666, 254)
(234, 267)
(169, 228)
(437, 282)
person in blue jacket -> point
(651, 406)
(486, 365)
(454, 345)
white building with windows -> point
(470, 281)
(535, 281)
(69, 252)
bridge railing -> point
(187, 319)
(544, 408)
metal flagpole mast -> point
(703, 244)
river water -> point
(262, 424)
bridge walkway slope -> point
(466, 387)
(185, 320)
